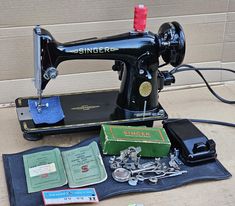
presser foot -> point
(40, 106)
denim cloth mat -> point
(49, 115)
(17, 188)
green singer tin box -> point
(154, 142)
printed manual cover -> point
(44, 170)
(84, 166)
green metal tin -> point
(154, 142)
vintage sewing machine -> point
(136, 55)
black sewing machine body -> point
(138, 52)
(136, 56)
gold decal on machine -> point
(85, 107)
(145, 89)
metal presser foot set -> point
(136, 55)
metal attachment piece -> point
(128, 159)
(121, 175)
(133, 181)
(127, 167)
(153, 180)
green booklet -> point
(44, 170)
(49, 169)
(84, 166)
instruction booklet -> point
(50, 169)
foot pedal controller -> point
(193, 145)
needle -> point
(39, 104)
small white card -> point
(42, 170)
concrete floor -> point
(190, 103)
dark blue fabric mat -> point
(50, 114)
(17, 188)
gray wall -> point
(209, 27)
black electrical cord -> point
(227, 124)
(186, 67)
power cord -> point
(186, 67)
(227, 124)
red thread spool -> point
(140, 17)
